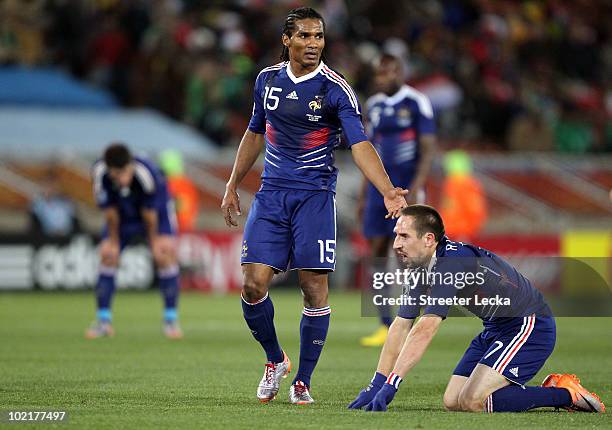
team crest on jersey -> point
(404, 117)
(316, 104)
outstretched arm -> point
(388, 356)
(416, 344)
(398, 333)
(371, 166)
(248, 151)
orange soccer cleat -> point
(551, 380)
(582, 399)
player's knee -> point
(108, 259)
(315, 294)
(451, 402)
(254, 289)
(470, 403)
(165, 258)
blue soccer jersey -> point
(302, 119)
(491, 288)
(519, 330)
(148, 190)
(395, 125)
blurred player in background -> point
(133, 194)
(301, 108)
(401, 125)
(517, 339)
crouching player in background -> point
(518, 337)
(133, 194)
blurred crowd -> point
(519, 75)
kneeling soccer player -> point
(519, 329)
(134, 196)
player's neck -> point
(393, 89)
(299, 70)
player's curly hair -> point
(117, 155)
(426, 220)
(289, 26)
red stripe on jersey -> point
(316, 138)
(270, 134)
(408, 134)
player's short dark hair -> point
(117, 155)
(389, 58)
(294, 15)
(426, 220)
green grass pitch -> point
(139, 379)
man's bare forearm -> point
(416, 344)
(371, 166)
(398, 332)
(428, 151)
(112, 223)
(248, 151)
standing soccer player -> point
(301, 108)
(518, 337)
(400, 123)
(133, 194)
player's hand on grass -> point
(230, 204)
(366, 395)
(382, 399)
(395, 201)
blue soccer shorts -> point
(516, 348)
(129, 231)
(291, 229)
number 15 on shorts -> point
(327, 250)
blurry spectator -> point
(463, 207)
(530, 132)
(52, 214)
(21, 32)
(183, 191)
(572, 132)
(485, 62)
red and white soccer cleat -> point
(299, 394)
(582, 399)
(270, 382)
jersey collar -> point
(397, 97)
(305, 77)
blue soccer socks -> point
(313, 332)
(169, 288)
(259, 316)
(105, 289)
(515, 398)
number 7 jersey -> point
(302, 120)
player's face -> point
(122, 176)
(307, 42)
(413, 250)
(387, 77)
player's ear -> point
(285, 40)
(430, 239)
